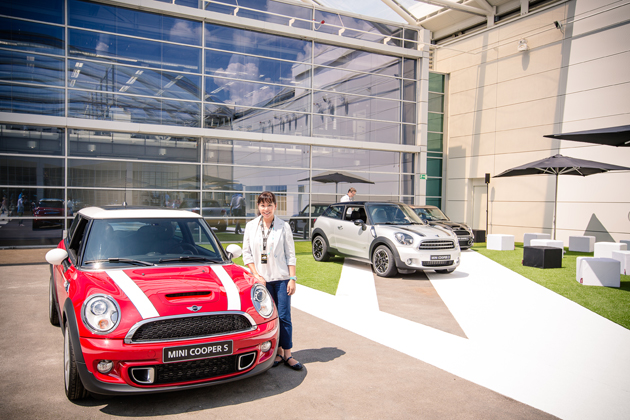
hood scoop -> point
(185, 295)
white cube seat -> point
(625, 241)
(499, 242)
(605, 249)
(591, 271)
(624, 258)
(548, 242)
(582, 243)
(529, 236)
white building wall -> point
(501, 102)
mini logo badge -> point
(194, 308)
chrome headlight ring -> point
(100, 314)
(262, 300)
(404, 238)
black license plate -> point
(197, 351)
(440, 257)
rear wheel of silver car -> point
(320, 249)
(222, 226)
(293, 226)
(383, 262)
(74, 387)
(53, 315)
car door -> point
(329, 223)
(65, 273)
(353, 239)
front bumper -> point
(411, 258)
(465, 241)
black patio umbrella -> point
(561, 165)
(337, 177)
(612, 136)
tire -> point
(320, 249)
(383, 262)
(293, 226)
(445, 271)
(74, 387)
(53, 314)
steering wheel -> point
(189, 248)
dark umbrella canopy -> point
(337, 177)
(612, 136)
(561, 165)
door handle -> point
(340, 227)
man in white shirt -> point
(349, 196)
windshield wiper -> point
(190, 258)
(120, 260)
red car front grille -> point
(191, 327)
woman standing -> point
(269, 252)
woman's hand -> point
(261, 279)
(291, 287)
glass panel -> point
(410, 68)
(187, 3)
(31, 140)
(350, 59)
(409, 134)
(409, 112)
(255, 153)
(434, 167)
(133, 22)
(436, 82)
(134, 51)
(98, 106)
(116, 174)
(249, 42)
(434, 187)
(355, 160)
(31, 68)
(256, 120)
(409, 90)
(245, 67)
(408, 162)
(132, 145)
(436, 102)
(411, 35)
(434, 202)
(337, 24)
(337, 80)
(28, 36)
(434, 142)
(236, 92)
(241, 178)
(435, 122)
(407, 184)
(385, 184)
(44, 10)
(329, 103)
(86, 198)
(351, 129)
(31, 100)
(22, 170)
(287, 11)
(111, 78)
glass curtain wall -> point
(114, 64)
(435, 139)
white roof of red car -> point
(129, 212)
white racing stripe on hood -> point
(134, 293)
(233, 296)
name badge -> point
(263, 259)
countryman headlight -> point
(262, 300)
(404, 238)
(100, 314)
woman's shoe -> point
(277, 362)
(297, 366)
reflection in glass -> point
(242, 178)
(31, 140)
(31, 68)
(409, 112)
(82, 198)
(410, 68)
(255, 153)
(435, 122)
(407, 184)
(45, 10)
(243, 8)
(255, 120)
(99, 106)
(237, 92)
(29, 36)
(116, 174)
(23, 170)
(434, 142)
(346, 58)
(132, 145)
(352, 27)
(436, 102)
(434, 187)
(408, 163)
(355, 159)
(434, 167)
(408, 134)
(352, 129)
(409, 90)
(31, 100)
(330, 103)
(328, 78)
(436, 82)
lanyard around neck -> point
(265, 236)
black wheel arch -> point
(392, 247)
(318, 231)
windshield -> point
(115, 242)
(431, 214)
(392, 214)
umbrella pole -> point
(555, 208)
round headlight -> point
(404, 238)
(100, 314)
(262, 300)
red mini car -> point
(149, 301)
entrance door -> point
(480, 200)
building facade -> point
(187, 103)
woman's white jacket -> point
(280, 249)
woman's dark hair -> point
(266, 197)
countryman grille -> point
(436, 244)
(183, 328)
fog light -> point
(409, 261)
(266, 346)
(105, 366)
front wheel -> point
(383, 262)
(320, 249)
(74, 387)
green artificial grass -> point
(609, 302)
(322, 276)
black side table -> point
(542, 257)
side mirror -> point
(56, 256)
(361, 223)
(234, 251)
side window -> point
(73, 227)
(355, 213)
(334, 212)
(77, 238)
